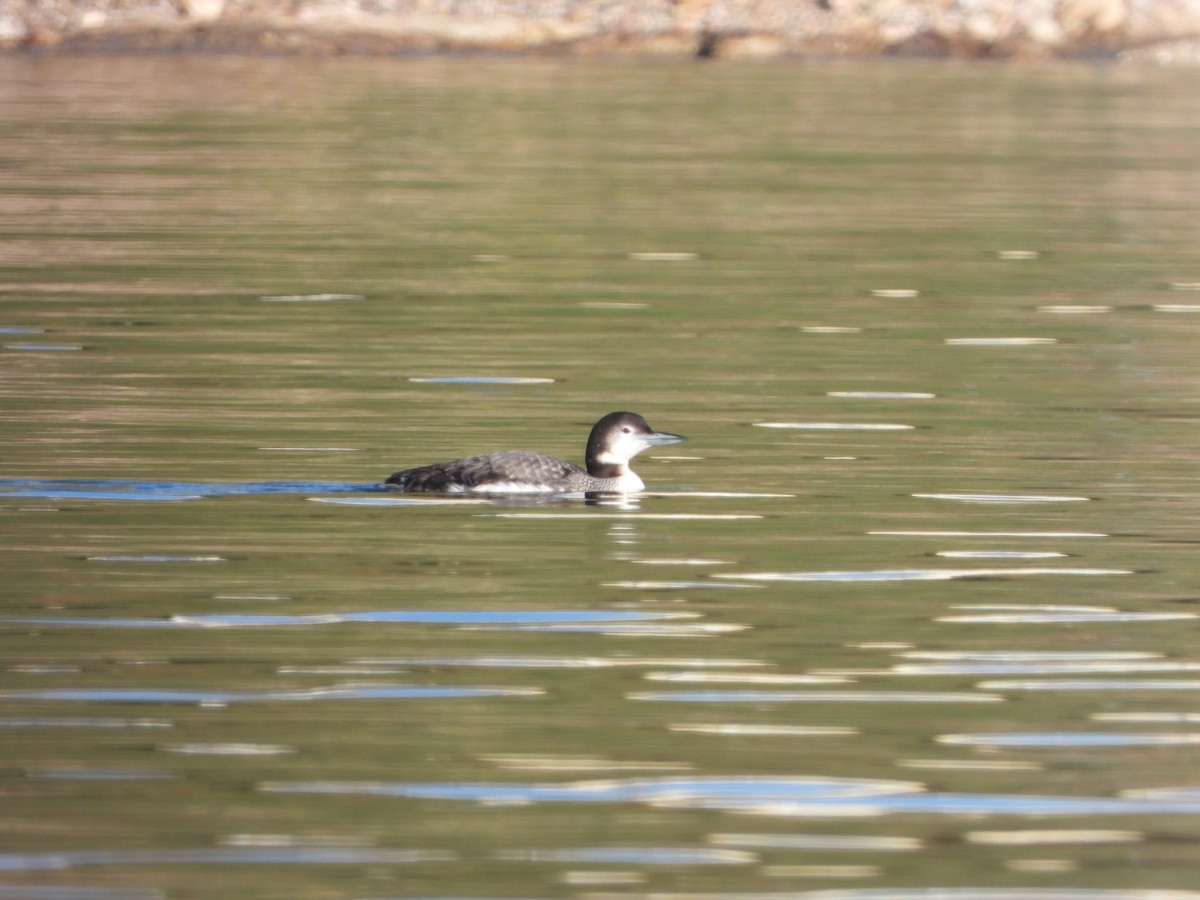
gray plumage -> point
(517, 466)
(613, 441)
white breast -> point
(513, 487)
(628, 481)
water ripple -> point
(915, 574)
(672, 585)
(92, 489)
(154, 558)
(557, 662)
(205, 696)
(743, 678)
(654, 856)
(967, 893)
(229, 749)
(683, 561)
(311, 298)
(99, 773)
(1186, 794)
(1003, 498)
(882, 395)
(1031, 655)
(479, 379)
(638, 790)
(67, 494)
(734, 729)
(992, 534)
(56, 722)
(1000, 554)
(872, 843)
(399, 616)
(1000, 341)
(706, 495)
(76, 892)
(42, 348)
(794, 796)
(1068, 739)
(664, 256)
(815, 697)
(531, 762)
(1039, 836)
(837, 426)
(714, 517)
(1017, 615)
(1174, 718)
(628, 629)
(444, 502)
(1081, 667)
(1096, 684)
(321, 855)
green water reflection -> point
(248, 272)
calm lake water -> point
(915, 607)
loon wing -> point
(513, 471)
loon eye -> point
(627, 429)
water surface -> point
(914, 609)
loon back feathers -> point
(614, 440)
(512, 471)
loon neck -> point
(600, 468)
(613, 476)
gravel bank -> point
(1167, 30)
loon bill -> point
(614, 441)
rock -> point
(203, 10)
(93, 18)
(12, 30)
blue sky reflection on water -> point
(396, 616)
(209, 697)
(95, 489)
(793, 797)
(214, 856)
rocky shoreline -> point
(1163, 30)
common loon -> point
(615, 439)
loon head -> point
(618, 438)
